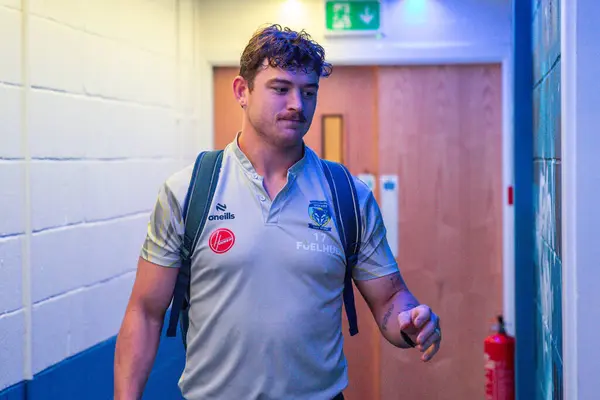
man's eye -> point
(309, 94)
(280, 90)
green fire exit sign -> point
(344, 16)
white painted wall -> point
(580, 102)
(414, 30)
(98, 106)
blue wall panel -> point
(85, 375)
(525, 281)
(16, 392)
(547, 195)
(89, 375)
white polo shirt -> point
(266, 281)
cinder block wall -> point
(547, 196)
(98, 105)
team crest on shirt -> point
(318, 211)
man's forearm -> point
(390, 328)
(136, 348)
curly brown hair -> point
(282, 48)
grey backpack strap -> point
(347, 210)
(203, 183)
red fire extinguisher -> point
(499, 352)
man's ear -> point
(240, 91)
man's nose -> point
(295, 100)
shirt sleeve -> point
(165, 231)
(375, 257)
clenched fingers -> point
(431, 351)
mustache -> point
(293, 117)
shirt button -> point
(255, 176)
(263, 198)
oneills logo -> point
(219, 217)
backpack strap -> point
(347, 211)
(201, 190)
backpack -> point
(196, 206)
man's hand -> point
(423, 327)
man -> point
(265, 310)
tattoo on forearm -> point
(397, 282)
(387, 316)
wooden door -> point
(350, 93)
(439, 129)
(440, 132)
(227, 111)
